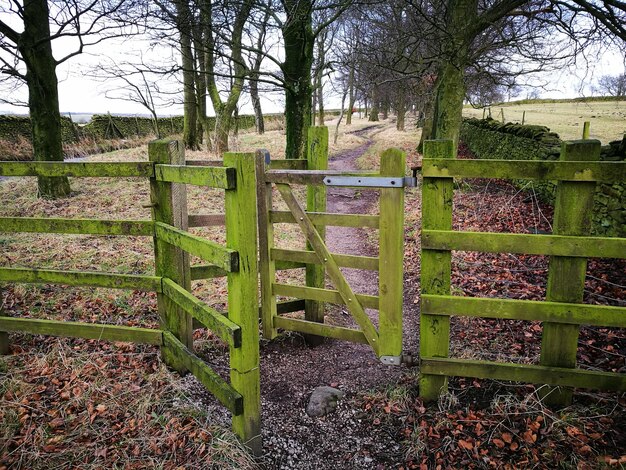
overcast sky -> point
(82, 94)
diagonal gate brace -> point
(335, 274)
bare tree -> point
(137, 83)
(612, 85)
(27, 57)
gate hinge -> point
(391, 360)
(371, 181)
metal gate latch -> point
(371, 181)
(391, 360)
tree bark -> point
(43, 95)
(350, 94)
(259, 122)
(299, 42)
(321, 54)
(224, 109)
(450, 86)
(374, 111)
(184, 26)
(400, 110)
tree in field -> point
(26, 56)
(612, 85)
(512, 36)
(137, 83)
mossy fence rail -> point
(576, 174)
(178, 307)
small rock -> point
(323, 401)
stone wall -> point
(12, 128)
(491, 139)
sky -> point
(80, 93)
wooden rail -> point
(590, 171)
(554, 245)
(82, 278)
(77, 226)
(71, 329)
(213, 177)
(328, 219)
(569, 247)
(177, 306)
(310, 257)
(210, 251)
(82, 169)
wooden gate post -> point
(391, 255)
(573, 212)
(169, 205)
(437, 196)
(266, 243)
(317, 158)
(243, 304)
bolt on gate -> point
(173, 244)
(569, 247)
(319, 262)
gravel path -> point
(290, 369)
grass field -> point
(607, 118)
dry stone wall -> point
(489, 139)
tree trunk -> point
(320, 100)
(43, 96)
(350, 94)
(386, 108)
(314, 101)
(224, 110)
(319, 88)
(184, 25)
(374, 111)
(400, 111)
(299, 41)
(259, 122)
(450, 85)
(427, 121)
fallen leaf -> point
(465, 444)
(499, 443)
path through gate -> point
(321, 264)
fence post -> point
(317, 158)
(586, 126)
(573, 212)
(4, 336)
(267, 266)
(243, 305)
(437, 196)
(391, 255)
(169, 205)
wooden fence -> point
(178, 307)
(319, 262)
(569, 247)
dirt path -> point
(290, 370)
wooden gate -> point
(320, 264)
(178, 308)
(562, 313)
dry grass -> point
(91, 405)
(607, 118)
(388, 137)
